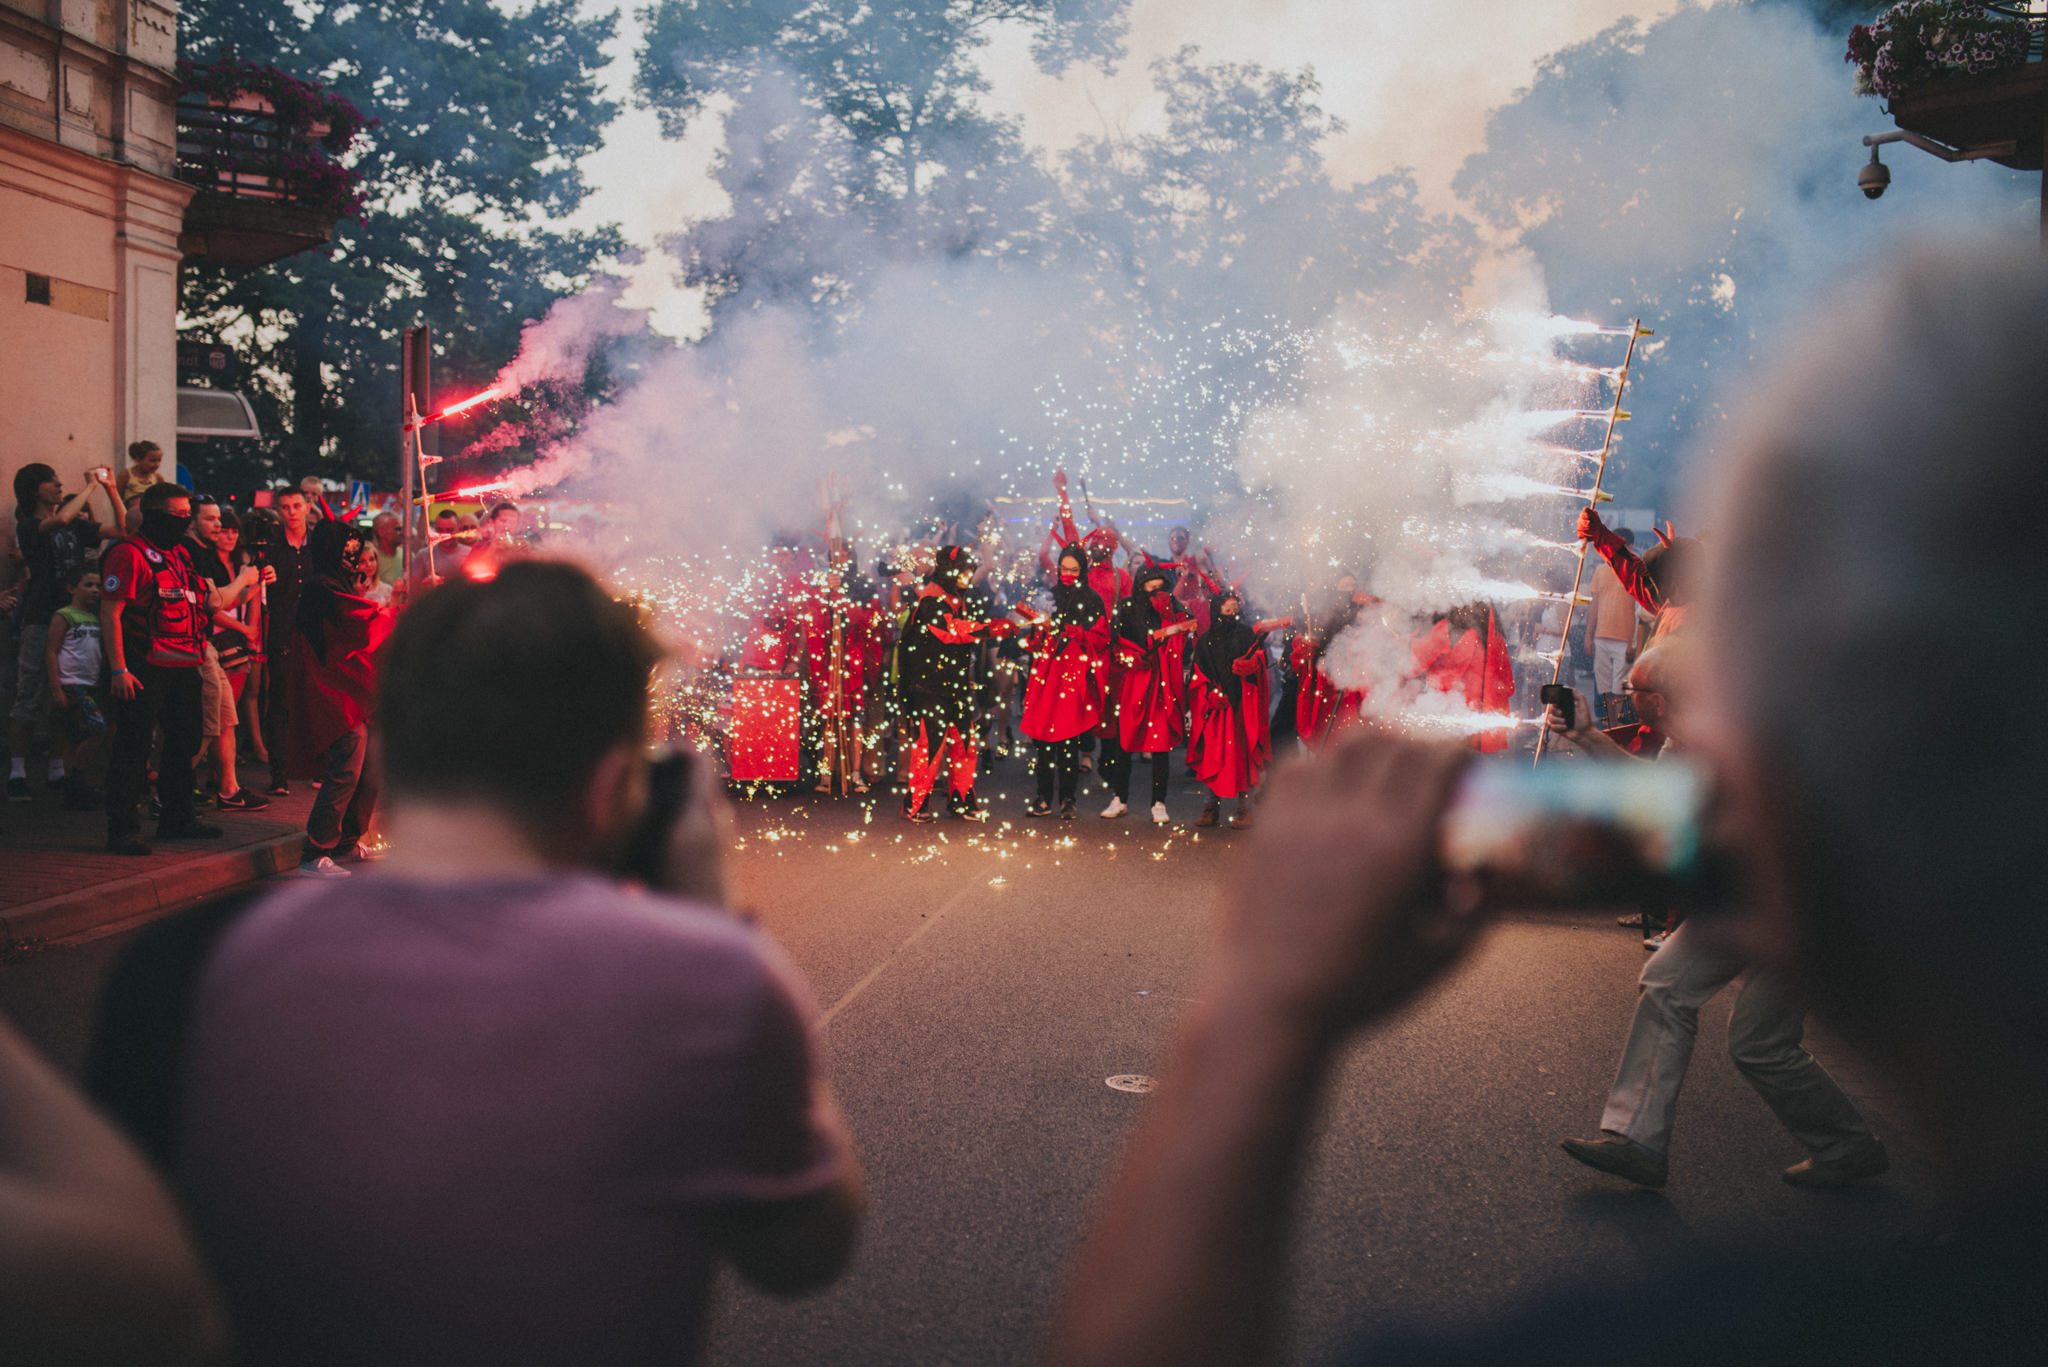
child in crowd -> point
(73, 656)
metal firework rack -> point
(1594, 497)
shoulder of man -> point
(123, 568)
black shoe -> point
(191, 830)
(242, 801)
(279, 789)
(17, 790)
(966, 807)
(127, 844)
(921, 815)
(1067, 810)
(1038, 806)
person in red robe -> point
(1660, 582)
(1230, 739)
(1149, 636)
(1063, 697)
(1465, 655)
(333, 687)
(1321, 708)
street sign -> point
(358, 493)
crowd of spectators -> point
(178, 639)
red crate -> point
(767, 725)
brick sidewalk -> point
(57, 879)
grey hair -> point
(1876, 614)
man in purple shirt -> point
(492, 1103)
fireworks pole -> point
(419, 463)
(838, 744)
(1594, 497)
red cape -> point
(1151, 696)
(330, 697)
(1229, 746)
(1063, 698)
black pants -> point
(1116, 770)
(1061, 760)
(348, 796)
(276, 719)
(169, 698)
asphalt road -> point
(978, 986)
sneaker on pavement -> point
(966, 806)
(279, 790)
(17, 790)
(1827, 1174)
(1653, 943)
(243, 800)
(127, 844)
(1159, 816)
(1038, 806)
(1621, 1156)
(1117, 807)
(191, 830)
(1067, 810)
(323, 867)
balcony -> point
(1998, 110)
(263, 149)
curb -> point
(103, 904)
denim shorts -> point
(82, 716)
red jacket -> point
(1229, 746)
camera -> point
(1874, 177)
(645, 857)
(1586, 834)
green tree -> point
(856, 135)
(483, 116)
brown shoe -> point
(1858, 1165)
(1241, 819)
(1621, 1156)
(1208, 816)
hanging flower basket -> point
(1930, 40)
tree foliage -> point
(856, 135)
(483, 116)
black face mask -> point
(164, 527)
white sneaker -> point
(1116, 807)
(1159, 817)
(323, 867)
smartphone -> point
(668, 788)
(1564, 700)
(1585, 834)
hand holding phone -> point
(1565, 701)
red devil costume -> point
(1063, 698)
(1465, 654)
(1321, 708)
(333, 686)
(1229, 740)
(1149, 634)
(936, 680)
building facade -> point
(90, 214)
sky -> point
(1412, 90)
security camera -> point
(1874, 177)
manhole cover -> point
(1131, 1082)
